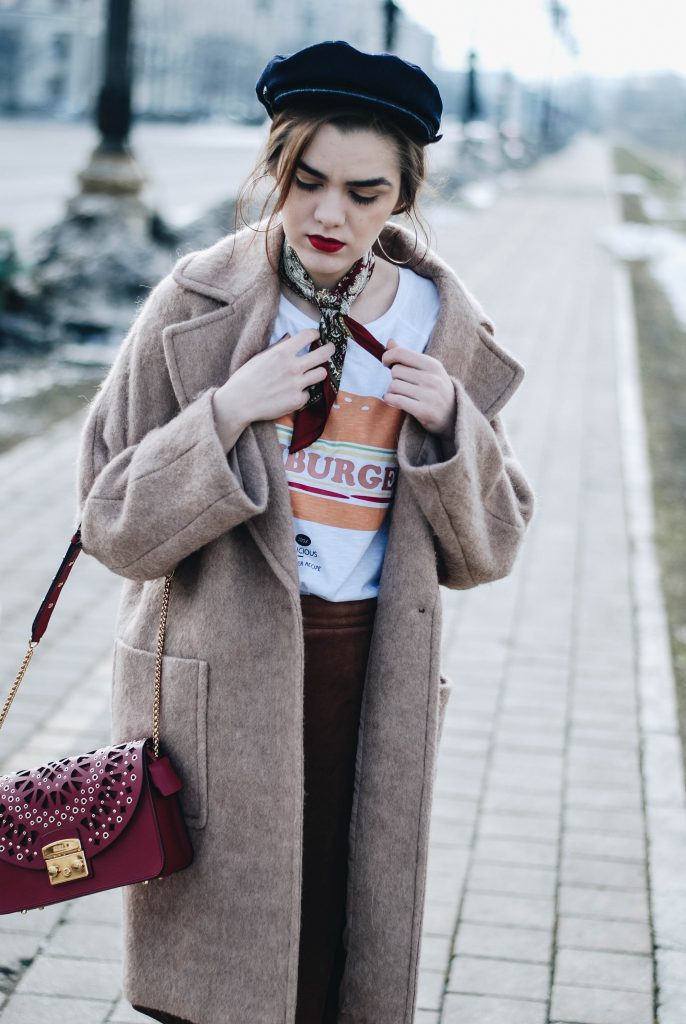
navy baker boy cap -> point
(334, 70)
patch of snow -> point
(664, 250)
(29, 382)
(631, 185)
(32, 380)
(630, 241)
(669, 270)
(91, 353)
(658, 209)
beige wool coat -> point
(217, 943)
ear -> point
(273, 171)
(400, 206)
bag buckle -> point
(65, 861)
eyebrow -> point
(368, 183)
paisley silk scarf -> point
(336, 325)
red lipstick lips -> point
(325, 244)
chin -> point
(323, 261)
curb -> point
(663, 782)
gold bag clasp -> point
(65, 861)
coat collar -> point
(237, 271)
(201, 352)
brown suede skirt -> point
(337, 640)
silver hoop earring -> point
(399, 263)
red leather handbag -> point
(93, 821)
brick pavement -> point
(554, 894)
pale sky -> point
(615, 37)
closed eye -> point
(311, 186)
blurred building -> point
(190, 60)
(205, 61)
(49, 54)
(652, 109)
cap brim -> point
(411, 123)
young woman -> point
(304, 424)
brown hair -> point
(291, 133)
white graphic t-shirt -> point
(341, 486)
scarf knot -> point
(326, 299)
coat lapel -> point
(203, 351)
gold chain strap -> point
(20, 675)
(158, 669)
(158, 665)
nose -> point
(329, 210)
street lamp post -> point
(110, 244)
(471, 106)
(112, 169)
(390, 14)
(551, 128)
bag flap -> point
(92, 796)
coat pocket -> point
(444, 691)
(183, 716)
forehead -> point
(351, 155)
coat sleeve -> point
(472, 491)
(154, 482)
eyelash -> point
(362, 200)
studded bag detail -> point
(93, 821)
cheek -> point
(295, 205)
(374, 217)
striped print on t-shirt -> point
(341, 486)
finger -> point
(300, 340)
(408, 373)
(312, 376)
(402, 387)
(282, 339)
(317, 356)
(404, 355)
(402, 402)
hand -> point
(269, 385)
(421, 386)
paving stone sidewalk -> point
(555, 892)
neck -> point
(325, 282)
(328, 281)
